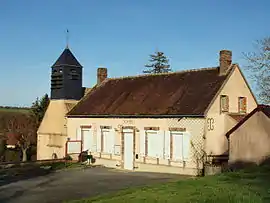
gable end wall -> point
(216, 142)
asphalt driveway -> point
(75, 184)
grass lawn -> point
(245, 186)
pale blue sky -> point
(119, 35)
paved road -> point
(76, 184)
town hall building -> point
(163, 122)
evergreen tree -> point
(39, 108)
(159, 63)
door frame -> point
(85, 128)
(127, 129)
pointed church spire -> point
(67, 59)
(67, 38)
(66, 77)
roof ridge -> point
(263, 106)
(158, 74)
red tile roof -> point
(12, 139)
(178, 93)
(263, 108)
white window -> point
(180, 145)
(151, 143)
(107, 140)
(87, 139)
(155, 143)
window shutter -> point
(239, 105)
(245, 104)
(98, 140)
(242, 104)
(186, 145)
(152, 143)
(94, 141)
(167, 142)
(227, 103)
(79, 134)
(177, 146)
(111, 141)
(87, 139)
(160, 144)
(142, 142)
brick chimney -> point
(225, 61)
(101, 75)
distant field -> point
(14, 110)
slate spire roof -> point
(67, 59)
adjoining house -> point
(163, 122)
(249, 140)
(12, 140)
(15, 128)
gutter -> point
(134, 116)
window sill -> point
(152, 157)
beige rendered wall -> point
(250, 142)
(216, 142)
(193, 125)
(52, 132)
(49, 144)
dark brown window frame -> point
(228, 103)
(239, 105)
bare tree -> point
(199, 156)
(259, 68)
(3, 138)
(23, 127)
(2, 147)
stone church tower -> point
(66, 91)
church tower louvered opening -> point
(66, 77)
